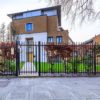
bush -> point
(88, 61)
(10, 65)
(73, 64)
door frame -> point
(27, 48)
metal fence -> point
(7, 59)
(59, 59)
(41, 59)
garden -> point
(73, 59)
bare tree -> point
(75, 9)
(9, 33)
(2, 31)
(14, 30)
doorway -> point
(30, 49)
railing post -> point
(95, 59)
(17, 59)
(39, 58)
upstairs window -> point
(59, 39)
(50, 39)
(29, 27)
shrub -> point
(10, 65)
(73, 64)
(88, 61)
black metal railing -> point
(43, 59)
(59, 59)
(7, 59)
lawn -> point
(11, 65)
(98, 68)
(59, 67)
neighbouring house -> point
(95, 39)
(42, 25)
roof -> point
(92, 39)
(88, 41)
(58, 7)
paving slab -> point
(83, 88)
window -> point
(59, 39)
(29, 27)
(50, 12)
(50, 39)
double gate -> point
(40, 59)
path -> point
(50, 89)
(28, 69)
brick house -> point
(42, 25)
(95, 39)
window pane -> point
(29, 27)
(50, 39)
(59, 39)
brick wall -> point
(97, 39)
(64, 35)
(47, 24)
(39, 24)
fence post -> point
(95, 59)
(39, 58)
(17, 59)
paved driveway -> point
(50, 89)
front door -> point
(30, 52)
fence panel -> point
(7, 58)
(69, 60)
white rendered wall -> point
(42, 37)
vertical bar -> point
(42, 67)
(95, 59)
(39, 58)
(36, 57)
(45, 58)
(92, 71)
(17, 59)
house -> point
(42, 25)
(95, 39)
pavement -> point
(82, 88)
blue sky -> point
(77, 33)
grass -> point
(59, 67)
(98, 68)
(11, 65)
(21, 64)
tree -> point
(2, 31)
(7, 56)
(9, 34)
(73, 9)
(14, 30)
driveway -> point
(50, 89)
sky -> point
(78, 33)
